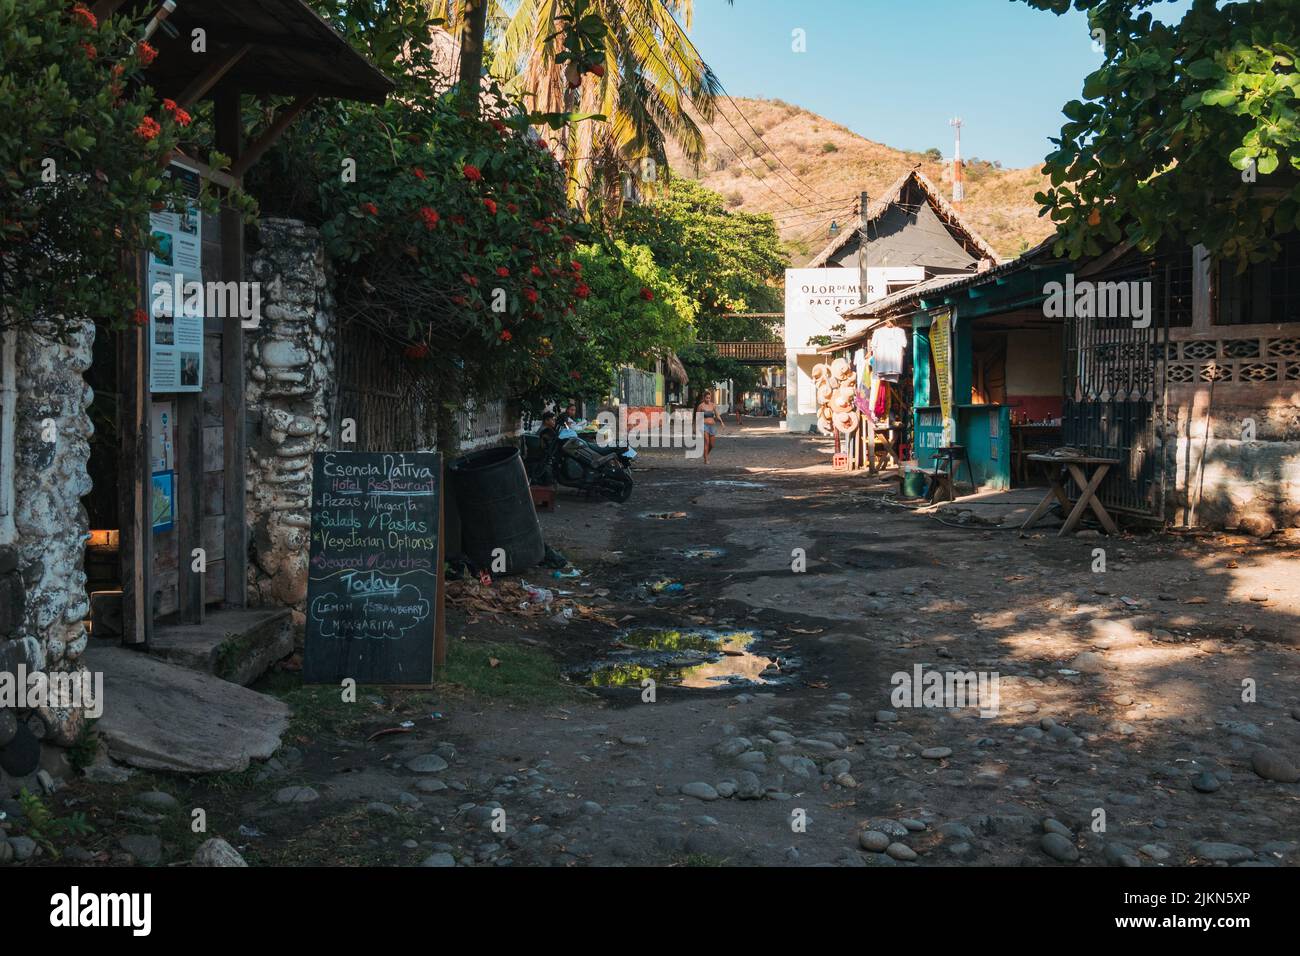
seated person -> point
(549, 430)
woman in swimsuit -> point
(712, 421)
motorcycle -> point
(569, 461)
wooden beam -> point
(256, 149)
(105, 8)
(189, 506)
(135, 529)
(216, 176)
(223, 61)
(228, 124)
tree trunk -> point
(472, 36)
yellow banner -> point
(940, 348)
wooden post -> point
(135, 483)
(228, 130)
(189, 506)
(440, 616)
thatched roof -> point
(961, 231)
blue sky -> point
(895, 71)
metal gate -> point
(1114, 396)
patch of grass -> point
(318, 709)
(85, 748)
(526, 675)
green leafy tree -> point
(83, 147)
(728, 262)
(1187, 130)
(632, 313)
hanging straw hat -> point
(824, 392)
(846, 422)
(842, 399)
(840, 368)
(820, 371)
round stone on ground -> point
(874, 840)
(700, 790)
(1059, 848)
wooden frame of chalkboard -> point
(375, 594)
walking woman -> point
(711, 421)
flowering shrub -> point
(82, 150)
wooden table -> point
(1076, 467)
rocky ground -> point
(1148, 714)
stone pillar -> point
(52, 446)
(289, 394)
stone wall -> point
(1230, 481)
(42, 582)
(290, 391)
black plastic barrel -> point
(496, 509)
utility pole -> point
(958, 184)
(863, 199)
(472, 34)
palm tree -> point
(653, 89)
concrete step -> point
(235, 645)
(161, 716)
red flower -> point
(458, 219)
(575, 265)
(512, 207)
(472, 173)
(139, 317)
(370, 208)
(582, 291)
(82, 13)
(535, 271)
(530, 295)
(569, 240)
(459, 299)
(505, 335)
(417, 351)
(145, 52)
(499, 126)
(91, 52)
(502, 271)
(418, 173)
(148, 128)
(429, 216)
(182, 118)
(648, 295)
(490, 205)
(468, 279)
(169, 106)
(575, 375)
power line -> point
(741, 113)
(654, 51)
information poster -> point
(941, 348)
(374, 579)
(175, 292)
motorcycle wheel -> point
(617, 487)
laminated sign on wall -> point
(175, 292)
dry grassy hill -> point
(836, 163)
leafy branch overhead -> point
(1187, 130)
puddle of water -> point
(664, 515)
(699, 659)
(699, 554)
(735, 484)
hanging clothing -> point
(887, 348)
(880, 411)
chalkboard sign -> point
(374, 585)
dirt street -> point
(1147, 714)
